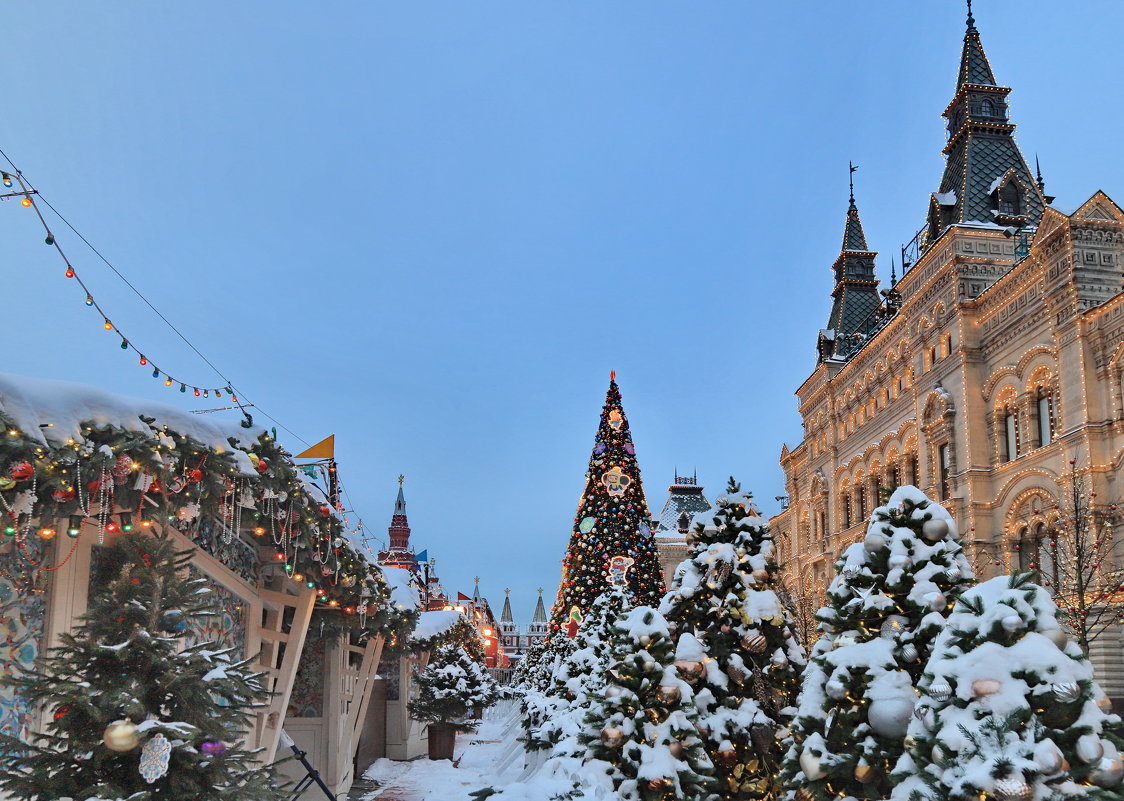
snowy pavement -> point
(481, 759)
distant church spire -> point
(505, 616)
(540, 610)
(986, 179)
(856, 287)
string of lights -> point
(30, 197)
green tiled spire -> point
(986, 179)
(855, 296)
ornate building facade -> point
(514, 642)
(991, 375)
(685, 499)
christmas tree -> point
(578, 680)
(129, 714)
(1009, 709)
(736, 646)
(888, 603)
(641, 736)
(450, 688)
(612, 520)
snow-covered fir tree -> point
(131, 713)
(451, 687)
(1009, 709)
(887, 604)
(580, 678)
(736, 645)
(641, 738)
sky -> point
(433, 228)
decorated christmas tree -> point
(888, 603)
(129, 714)
(557, 722)
(1009, 709)
(612, 520)
(641, 738)
(736, 645)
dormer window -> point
(684, 523)
(985, 108)
(1010, 199)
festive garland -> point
(114, 479)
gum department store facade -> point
(996, 360)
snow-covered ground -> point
(488, 757)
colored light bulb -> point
(25, 202)
(7, 180)
(234, 398)
(108, 325)
(124, 344)
(183, 388)
(69, 271)
(196, 391)
(89, 301)
(143, 361)
(155, 373)
(9, 530)
(112, 528)
(167, 382)
(205, 394)
(50, 240)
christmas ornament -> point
(618, 570)
(6, 483)
(63, 495)
(1104, 703)
(754, 643)
(890, 716)
(173, 621)
(954, 573)
(690, 672)
(121, 735)
(923, 714)
(909, 652)
(587, 524)
(1011, 622)
(938, 754)
(893, 626)
(62, 712)
(937, 601)
(675, 748)
(215, 748)
(645, 532)
(612, 738)
(864, 772)
(668, 694)
(659, 785)
(155, 755)
(835, 689)
(1089, 748)
(735, 673)
(810, 764)
(940, 690)
(1048, 757)
(262, 465)
(1109, 772)
(1013, 788)
(981, 688)
(1067, 691)
(616, 419)
(851, 571)
(1057, 636)
(874, 541)
(934, 529)
(760, 576)
(762, 737)
(21, 471)
(616, 481)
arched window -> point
(1010, 199)
(860, 497)
(846, 509)
(821, 517)
(914, 470)
(1010, 435)
(684, 523)
(1028, 551)
(985, 108)
(1045, 418)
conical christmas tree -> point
(736, 645)
(887, 605)
(131, 716)
(1009, 709)
(641, 736)
(612, 520)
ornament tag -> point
(618, 570)
(155, 755)
(616, 481)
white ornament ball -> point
(1013, 788)
(835, 689)
(1089, 748)
(934, 529)
(1048, 757)
(892, 626)
(909, 652)
(982, 688)
(890, 716)
(938, 754)
(810, 764)
(874, 541)
(1066, 691)
(937, 601)
(1011, 622)
(954, 573)
(898, 560)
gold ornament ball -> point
(726, 756)
(121, 735)
(864, 773)
(981, 688)
(668, 694)
(675, 748)
(1013, 789)
(754, 643)
(658, 785)
(1109, 773)
(689, 670)
(612, 738)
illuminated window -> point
(1010, 435)
(846, 509)
(1010, 199)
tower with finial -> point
(399, 554)
(539, 623)
(509, 632)
(855, 299)
(986, 179)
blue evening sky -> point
(433, 228)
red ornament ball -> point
(325, 510)
(263, 465)
(62, 712)
(21, 471)
(195, 476)
(62, 494)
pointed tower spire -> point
(986, 179)
(856, 288)
(612, 520)
(476, 592)
(398, 533)
(540, 610)
(505, 616)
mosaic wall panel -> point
(227, 627)
(22, 624)
(238, 556)
(307, 698)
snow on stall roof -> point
(54, 411)
(430, 624)
(402, 591)
(945, 198)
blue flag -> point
(423, 556)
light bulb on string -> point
(69, 270)
(196, 391)
(89, 301)
(167, 382)
(205, 394)
(124, 344)
(7, 180)
(25, 202)
(143, 361)
(108, 325)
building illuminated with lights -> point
(986, 376)
(514, 642)
(685, 499)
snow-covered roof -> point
(54, 411)
(945, 198)
(402, 589)
(432, 624)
